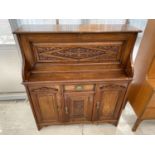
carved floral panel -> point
(77, 53)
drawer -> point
(79, 87)
(43, 88)
(152, 101)
(149, 113)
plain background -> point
(81, 9)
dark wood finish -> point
(76, 74)
(142, 90)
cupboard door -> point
(78, 106)
(45, 103)
(108, 101)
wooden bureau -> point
(76, 73)
(142, 92)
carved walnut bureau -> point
(76, 73)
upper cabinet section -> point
(77, 48)
(102, 46)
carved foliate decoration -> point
(77, 53)
(78, 108)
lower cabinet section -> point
(59, 104)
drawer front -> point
(43, 87)
(149, 113)
(77, 52)
(79, 87)
(152, 101)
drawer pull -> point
(79, 87)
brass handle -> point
(98, 105)
(79, 87)
(66, 110)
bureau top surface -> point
(83, 28)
